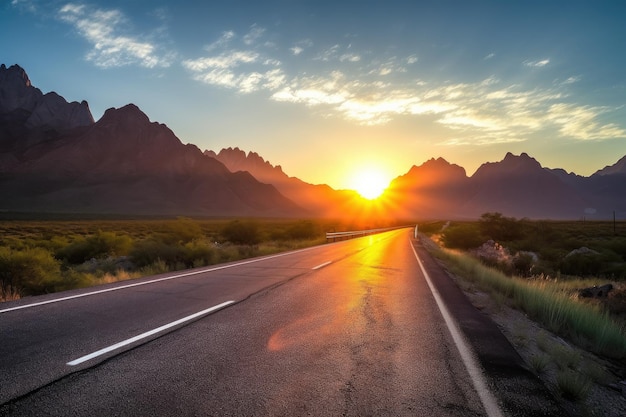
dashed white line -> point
(473, 368)
(146, 334)
(320, 266)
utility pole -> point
(614, 231)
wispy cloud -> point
(111, 46)
(245, 70)
(300, 46)
(343, 83)
(581, 122)
(537, 64)
(253, 35)
(28, 5)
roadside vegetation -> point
(540, 268)
(38, 257)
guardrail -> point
(334, 236)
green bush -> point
(573, 385)
(198, 253)
(182, 230)
(147, 252)
(581, 264)
(302, 230)
(174, 255)
(500, 228)
(242, 232)
(29, 271)
(99, 245)
(462, 236)
(523, 264)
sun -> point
(370, 183)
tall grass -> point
(582, 323)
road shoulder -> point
(519, 392)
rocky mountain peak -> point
(511, 165)
(17, 95)
(521, 162)
(236, 159)
(436, 171)
(128, 114)
(14, 74)
(16, 91)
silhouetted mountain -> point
(606, 189)
(319, 200)
(55, 158)
(519, 186)
(618, 168)
(29, 105)
(434, 189)
(121, 164)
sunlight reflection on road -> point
(355, 302)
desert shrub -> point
(242, 232)
(462, 236)
(618, 246)
(147, 252)
(174, 255)
(573, 385)
(29, 271)
(500, 228)
(155, 268)
(198, 253)
(182, 230)
(581, 264)
(540, 363)
(99, 245)
(523, 264)
(301, 230)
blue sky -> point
(324, 88)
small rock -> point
(595, 291)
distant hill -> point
(55, 158)
(321, 200)
(517, 186)
(123, 163)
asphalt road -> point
(344, 329)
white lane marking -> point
(146, 334)
(473, 368)
(137, 284)
(320, 266)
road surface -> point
(344, 329)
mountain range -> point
(55, 158)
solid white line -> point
(146, 334)
(137, 284)
(473, 368)
(320, 266)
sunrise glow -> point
(369, 182)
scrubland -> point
(44, 256)
(528, 275)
